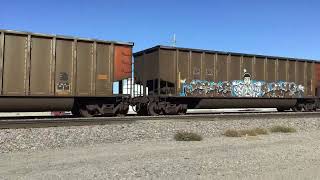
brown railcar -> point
(176, 78)
(42, 72)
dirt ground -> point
(273, 156)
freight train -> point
(42, 72)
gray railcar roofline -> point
(65, 37)
(221, 52)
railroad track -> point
(72, 121)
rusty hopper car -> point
(58, 73)
(179, 78)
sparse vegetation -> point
(261, 131)
(232, 133)
(257, 131)
(245, 132)
(282, 129)
(187, 136)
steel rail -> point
(75, 121)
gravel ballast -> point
(13, 140)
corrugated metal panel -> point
(41, 62)
(138, 69)
(247, 64)
(167, 68)
(309, 79)
(103, 74)
(259, 69)
(195, 65)
(300, 73)
(292, 71)
(151, 66)
(271, 70)
(1, 60)
(84, 68)
(282, 70)
(221, 68)
(234, 68)
(64, 78)
(317, 78)
(183, 65)
(208, 67)
(15, 65)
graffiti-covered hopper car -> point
(179, 78)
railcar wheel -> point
(183, 109)
(280, 109)
(86, 113)
(171, 109)
(142, 109)
(298, 108)
(75, 111)
(153, 109)
(295, 109)
(309, 107)
(123, 111)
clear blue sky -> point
(273, 27)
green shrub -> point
(261, 131)
(232, 133)
(248, 132)
(282, 129)
(245, 132)
(187, 136)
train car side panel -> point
(221, 68)
(167, 71)
(309, 79)
(84, 68)
(103, 72)
(151, 76)
(208, 66)
(196, 65)
(1, 60)
(64, 78)
(317, 79)
(15, 65)
(282, 70)
(247, 66)
(271, 70)
(138, 72)
(259, 66)
(41, 66)
(300, 75)
(234, 68)
(167, 68)
(183, 66)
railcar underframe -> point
(173, 105)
